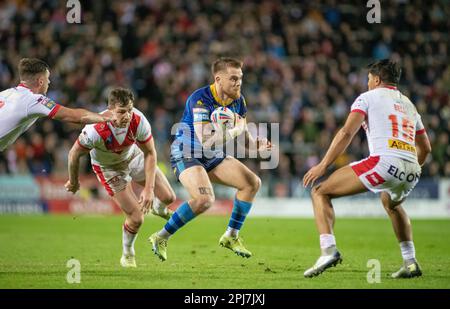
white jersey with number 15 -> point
(391, 122)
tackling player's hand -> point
(240, 124)
(72, 187)
(313, 174)
(146, 200)
(263, 144)
(108, 116)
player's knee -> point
(169, 197)
(388, 204)
(202, 203)
(317, 191)
(137, 219)
(255, 183)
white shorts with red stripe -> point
(115, 178)
(389, 174)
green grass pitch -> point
(34, 251)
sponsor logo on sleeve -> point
(200, 114)
(49, 103)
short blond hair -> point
(223, 63)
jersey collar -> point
(24, 86)
(212, 87)
(389, 87)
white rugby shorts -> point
(389, 174)
(116, 177)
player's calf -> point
(129, 232)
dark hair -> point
(29, 67)
(120, 96)
(223, 63)
(388, 71)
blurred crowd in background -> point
(304, 64)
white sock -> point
(408, 250)
(128, 240)
(159, 207)
(327, 242)
(231, 232)
(164, 234)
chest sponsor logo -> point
(2, 104)
(400, 145)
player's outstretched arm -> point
(147, 195)
(338, 145)
(72, 185)
(423, 147)
(82, 116)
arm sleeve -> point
(420, 128)
(43, 106)
(144, 131)
(360, 106)
(200, 112)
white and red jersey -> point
(19, 109)
(391, 124)
(110, 145)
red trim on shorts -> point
(365, 165)
(128, 229)
(101, 177)
(54, 111)
(149, 138)
(421, 131)
(359, 111)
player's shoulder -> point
(28, 96)
(242, 100)
(202, 94)
(6, 92)
(92, 129)
(138, 112)
(369, 93)
(138, 116)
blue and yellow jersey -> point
(199, 106)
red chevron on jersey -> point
(109, 139)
